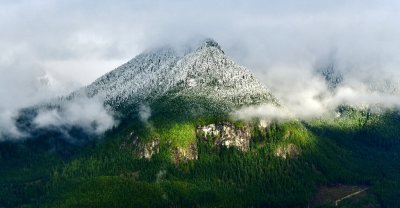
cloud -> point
(87, 113)
(264, 111)
(365, 97)
(8, 130)
(144, 113)
(23, 86)
(299, 89)
(51, 47)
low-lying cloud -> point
(51, 47)
(8, 129)
(87, 113)
(23, 83)
(144, 114)
(314, 99)
(265, 111)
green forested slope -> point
(357, 148)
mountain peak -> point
(205, 72)
(209, 43)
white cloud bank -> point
(282, 42)
(265, 111)
(87, 113)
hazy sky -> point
(77, 41)
(49, 47)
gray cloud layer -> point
(50, 47)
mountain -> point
(176, 144)
(202, 82)
(204, 72)
(336, 79)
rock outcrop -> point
(287, 151)
(222, 134)
(227, 135)
(147, 150)
(180, 154)
(144, 149)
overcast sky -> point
(77, 41)
(50, 47)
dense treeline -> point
(106, 175)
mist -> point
(49, 48)
(87, 113)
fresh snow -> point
(205, 71)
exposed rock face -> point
(287, 151)
(144, 149)
(147, 150)
(223, 134)
(185, 154)
(226, 134)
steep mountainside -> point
(206, 72)
(177, 146)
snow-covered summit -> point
(210, 43)
(205, 71)
(201, 82)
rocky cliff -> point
(225, 134)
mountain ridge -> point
(163, 158)
(204, 71)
